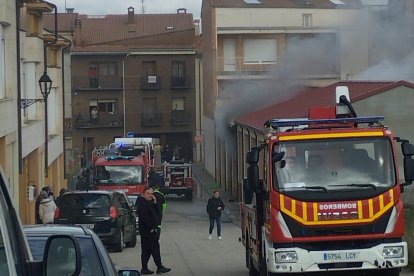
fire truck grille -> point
(298, 230)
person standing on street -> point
(215, 207)
(47, 208)
(148, 227)
(156, 182)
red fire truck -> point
(323, 194)
(178, 179)
(124, 165)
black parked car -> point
(107, 213)
(95, 259)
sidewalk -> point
(208, 185)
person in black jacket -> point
(148, 227)
(215, 207)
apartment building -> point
(134, 73)
(262, 45)
(28, 159)
(8, 96)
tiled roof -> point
(66, 21)
(297, 107)
(320, 4)
(111, 28)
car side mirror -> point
(62, 256)
(128, 272)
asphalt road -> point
(185, 247)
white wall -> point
(272, 17)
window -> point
(260, 51)
(178, 69)
(149, 68)
(178, 104)
(229, 55)
(2, 63)
(29, 89)
(52, 58)
(107, 69)
(34, 25)
(108, 106)
(306, 20)
(93, 76)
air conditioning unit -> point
(152, 79)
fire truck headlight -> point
(393, 252)
(286, 257)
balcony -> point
(104, 120)
(150, 83)
(151, 119)
(180, 117)
(99, 83)
(181, 82)
(232, 65)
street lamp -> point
(45, 84)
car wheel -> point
(119, 241)
(133, 240)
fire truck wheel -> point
(119, 238)
(189, 195)
(133, 241)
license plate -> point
(340, 256)
(90, 226)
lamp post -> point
(45, 84)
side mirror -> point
(252, 156)
(407, 149)
(408, 170)
(277, 156)
(62, 256)
(128, 272)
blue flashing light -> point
(276, 123)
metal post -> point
(46, 132)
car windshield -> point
(109, 175)
(91, 264)
(94, 204)
(324, 165)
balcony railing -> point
(181, 82)
(104, 120)
(100, 82)
(231, 65)
(180, 117)
(151, 119)
(150, 82)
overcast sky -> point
(101, 7)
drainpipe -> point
(45, 45)
(123, 91)
(19, 87)
(63, 100)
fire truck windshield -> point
(127, 175)
(345, 163)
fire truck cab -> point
(123, 165)
(327, 195)
(178, 179)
